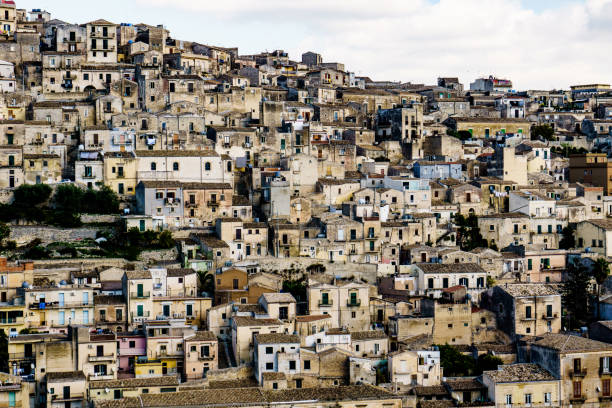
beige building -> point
(201, 354)
(595, 235)
(415, 367)
(101, 42)
(505, 229)
(66, 388)
(348, 304)
(522, 385)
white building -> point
(276, 352)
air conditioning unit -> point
(90, 346)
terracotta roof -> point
(277, 338)
(531, 289)
(368, 335)
(450, 268)
(65, 375)
(567, 343)
(202, 335)
(251, 321)
(135, 382)
(519, 373)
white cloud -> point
(417, 40)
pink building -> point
(131, 345)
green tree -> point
(102, 201)
(165, 240)
(601, 271)
(4, 356)
(297, 288)
(576, 294)
(28, 201)
(207, 282)
(544, 131)
(5, 232)
(487, 362)
(568, 241)
(455, 363)
(68, 199)
(468, 234)
(464, 135)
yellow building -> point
(120, 172)
(42, 168)
(14, 393)
(485, 128)
(12, 318)
(521, 385)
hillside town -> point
(183, 225)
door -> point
(67, 392)
(61, 317)
(139, 290)
(11, 398)
(85, 298)
(166, 310)
(61, 300)
(85, 316)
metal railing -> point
(140, 295)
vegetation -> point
(468, 234)
(567, 241)
(297, 288)
(576, 294)
(565, 150)
(130, 244)
(601, 271)
(545, 132)
(207, 282)
(457, 364)
(34, 203)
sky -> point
(538, 44)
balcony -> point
(578, 374)
(144, 314)
(172, 201)
(72, 397)
(69, 75)
(11, 321)
(100, 376)
(527, 318)
(353, 303)
(551, 317)
(21, 356)
(17, 404)
(140, 295)
(75, 40)
(89, 176)
(100, 34)
(59, 305)
(213, 203)
(189, 204)
(329, 303)
(605, 371)
(105, 357)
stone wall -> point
(153, 256)
(241, 372)
(296, 268)
(23, 234)
(99, 218)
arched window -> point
(153, 166)
(175, 166)
(207, 166)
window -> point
(269, 366)
(306, 364)
(175, 166)
(269, 350)
(528, 312)
(292, 365)
(527, 399)
(604, 364)
(153, 166)
(605, 387)
(547, 397)
(577, 388)
(549, 310)
(509, 399)
(207, 166)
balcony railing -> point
(140, 295)
(172, 201)
(72, 397)
(329, 303)
(143, 315)
(105, 357)
(11, 320)
(21, 356)
(581, 373)
(59, 305)
(100, 34)
(213, 203)
(550, 317)
(68, 40)
(353, 303)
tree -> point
(68, 198)
(487, 362)
(576, 294)
(544, 131)
(568, 241)
(601, 271)
(464, 135)
(165, 240)
(102, 201)
(468, 234)
(5, 232)
(28, 201)
(455, 364)
(207, 282)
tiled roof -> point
(65, 376)
(567, 343)
(530, 289)
(451, 268)
(202, 335)
(135, 382)
(277, 338)
(368, 335)
(519, 373)
(279, 297)
(311, 318)
(140, 274)
(251, 321)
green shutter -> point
(529, 264)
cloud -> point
(418, 40)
